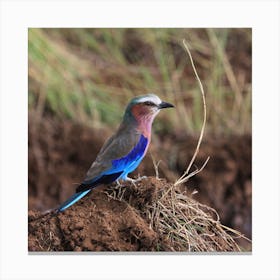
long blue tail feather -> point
(73, 199)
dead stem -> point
(186, 174)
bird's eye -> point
(149, 103)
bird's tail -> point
(73, 199)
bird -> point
(123, 151)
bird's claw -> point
(134, 181)
(140, 178)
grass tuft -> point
(186, 224)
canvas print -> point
(139, 140)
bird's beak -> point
(163, 105)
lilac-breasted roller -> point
(123, 152)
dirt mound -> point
(126, 218)
(98, 223)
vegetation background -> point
(88, 75)
(85, 77)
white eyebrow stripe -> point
(151, 98)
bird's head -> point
(144, 108)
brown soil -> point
(61, 152)
(97, 223)
(126, 218)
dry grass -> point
(187, 224)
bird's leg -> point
(141, 177)
(133, 181)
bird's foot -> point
(140, 178)
(134, 181)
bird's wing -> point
(117, 153)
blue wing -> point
(130, 162)
(119, 169)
